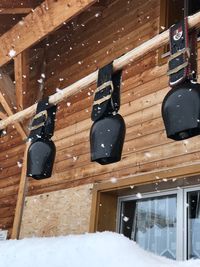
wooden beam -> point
(7, 89)
(3, 115)
(16, 10)
(21, 197)
(45, 19)
(120, 63)
(21, 3)
(21, 68)
(10, 113)
(94, 214)
(7, 99)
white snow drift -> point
(90, 250)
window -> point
(166, 223)
(172, 11)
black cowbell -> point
(41, 155)
(181, 111)
(107, 139)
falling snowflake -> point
(21, 22)
(40, 81)
(139, 195)
(19, 164)
(113, 180)
(97, 14)
(147, 154)
(102, 145)
(126, 219)
(75, 158)
(12, 53)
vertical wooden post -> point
(94, 210)
(21, 197)
(21, 65)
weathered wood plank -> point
(46, 18)
(20, 197)
(21, 68)
(7, 99)
(119, 63)
(16, 10)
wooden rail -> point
(136, 53)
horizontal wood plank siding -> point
(94, 39)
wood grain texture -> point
(8, 100)
(147, 150)
(45, 19)
(21, 66)
(21, 197)
(58, 213)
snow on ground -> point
(90, 250)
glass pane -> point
(151, 223)
(127, 217)
(194, 225)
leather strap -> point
(43, 122)
(179, 44)
(107, 94)
(182, 63)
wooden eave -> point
(42, 21)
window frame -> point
(182, 215)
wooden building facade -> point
(153, 191)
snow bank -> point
(90, 250)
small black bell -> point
(181, 111)
(107, 139)
(41, 155)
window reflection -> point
(151, 223)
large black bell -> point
(181, 111)
(41, 155)
(107, 139)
